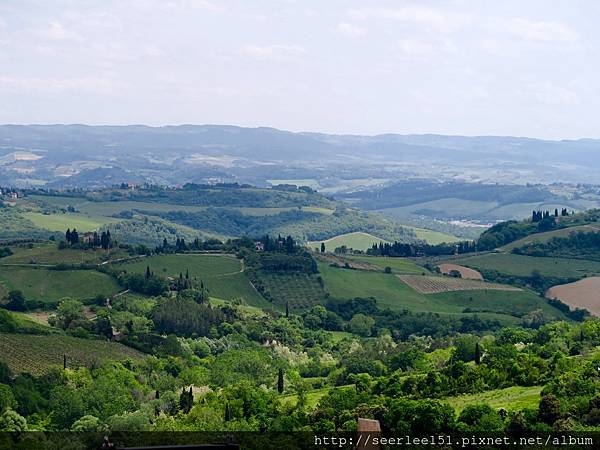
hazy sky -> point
(510, 67)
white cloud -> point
(153, 51)
(436, 19)
(541, 31)
(415, 48)
(350, 30)
(57, 32)
(422, 49)
(275, 52)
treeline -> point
(180, 245)
(399, 249)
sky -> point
(481, 67)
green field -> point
(61, 222)
(521, 265)
(300, 290)
(221, 274)
(51, 285)
(391, 292)
(398, 265)
(514, 398)
(356, 241)
(432, 237)
(37, 354)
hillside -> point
(150, 215)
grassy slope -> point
(544, 237)
(393, 293)
(36, 354)
(47, 285)
(357, 241)
(60, 222)
(221, 274)
(29, 323)
(511, 399)
(521, 265)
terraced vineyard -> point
(37, 354)
(436, 285)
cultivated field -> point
(301, 291)
(465, 272)
(584, 294)
(390, 292)
(436, 285)
(521, 265)
(357, 241)
(513, 398)
(37, 354)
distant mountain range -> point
(69, 155)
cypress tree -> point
(280, 385)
